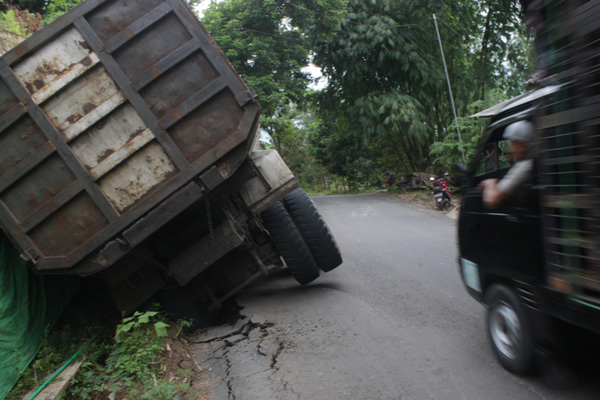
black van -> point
(514, 259)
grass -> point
(130, 364)
(79, 322)
(137, 357)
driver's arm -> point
(494, 192)
(492, 195)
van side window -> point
(496, 156)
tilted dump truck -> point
(130, 152)
(535, 261)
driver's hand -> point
(487, 183)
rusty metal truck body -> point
(129, 150)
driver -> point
(494, 192)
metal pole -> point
(449, 88)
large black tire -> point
(509, 330)
(313, 229)
(289, 242)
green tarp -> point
(28, 305)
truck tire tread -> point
(289, 242)
(313, 229)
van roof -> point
(516, 101)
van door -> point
(502, 242)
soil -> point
(180, 367)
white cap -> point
(520, 131)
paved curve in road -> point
(393, 322)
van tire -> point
(509, 330)
(289, 242)
(313, 229)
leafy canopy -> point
(269, 43)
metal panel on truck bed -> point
(103, 115)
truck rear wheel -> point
(291, 245)
(313, 229)
(509, 330)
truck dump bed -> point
(105, 114)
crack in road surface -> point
(244, 356)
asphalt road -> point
(393, 322)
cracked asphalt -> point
(393, 322)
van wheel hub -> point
(505, 330)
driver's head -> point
(520, 134)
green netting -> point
(29, 304)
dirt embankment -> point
(8, 41)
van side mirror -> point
(459, 173)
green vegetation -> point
(54, 352)
(270, 42)
(9, 23)
(385, 105)
(129, 358)
(132, 362)
(55, 9)
(22, 23)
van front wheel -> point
(509, 330)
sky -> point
(202, 6)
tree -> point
(269, 43)
(387, 79)
(385, 72)
(447, 151)
(496, 24)
(32, 5)
(57, 8)
(295, 128)
(334, 146)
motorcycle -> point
(390, 179)
(441, 192)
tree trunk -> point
(485, 50)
